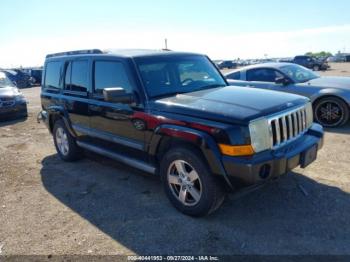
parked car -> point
(12, 102)
(340, 57)
(330, 96)
(36, 74)
(311, 62)
(18, 78)
(226, 64)
(173, 114)
(336, 59)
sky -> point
(222, 29)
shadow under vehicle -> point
(292, 215)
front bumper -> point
(324, 66)
(273, 163)
(19, 109)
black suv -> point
(311, 62)
(173, 114)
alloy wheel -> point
(184, 182)
(329, 113)
(62, 141)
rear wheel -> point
(188, 183)
(331, 112)
(316, 68)
(65, 144)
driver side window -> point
(110, 74)
(263, 75)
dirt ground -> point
(97, 206)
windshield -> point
(298, 73)
(169, 75)
(4, 81)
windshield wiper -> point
(170, 94)
(307, 80)
(189, 91)
(213, 86)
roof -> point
(144, 52)
(262, 65)
(130, 53)
(12, 72)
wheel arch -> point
(330, 95)
(168, 136)
(56, 113)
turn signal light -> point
(245, 150)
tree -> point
(319, 54)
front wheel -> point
(331, 112)
(316, 68)
(188, 183)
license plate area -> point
(308, 156)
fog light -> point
(264, 171)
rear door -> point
(75, 93)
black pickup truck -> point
(311, 62)
(173, 114)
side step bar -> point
(123, 159)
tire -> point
(65, 144)
(331, 112)
(198, 196)
(316, 68)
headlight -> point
(20, 98)
(309, 115)
(260, 135)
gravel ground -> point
(97, 206)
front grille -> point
(6, 98)
(287, 126)
(6, 101)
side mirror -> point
(282, 81)
(117, 95)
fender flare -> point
(326, 92)
(59, 110)
(202, 140)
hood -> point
(8, 91)
(331, 82)
(231, 104)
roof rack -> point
(77, 52)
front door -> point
(110, 122)
(263, 78)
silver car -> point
(330, 96)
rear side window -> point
(234, 76)
(110, 74)
(53, 74)
(77, 78)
